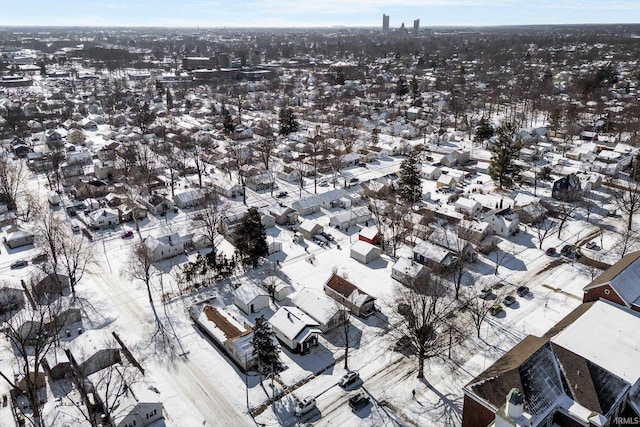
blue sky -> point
(298, 13)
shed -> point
(346, 293)
(19, 238)
(309, 228)
(277, 287)
(250, 298)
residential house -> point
(234, 338)
(164, 247)
(267, 220)
(103, 218)
(320, 308)
(142, 414)
(250, 298)
(473, 231)
(618, 284)
(567, 377)
(50, 286)
(189, 199)
(11, 299)
(131, 211)
(566, 188)
(502, 223)
(295, 329)
(467, 207)
(450, 240)
(364, 252)
(346, 219)
(346, 293)
(227, 187)
(283, 215)
(95, 188)
(331, 199)
(307, 205)
(407, 271)
(433, 256)
(158, 204)
(431, 172)
(446, 181)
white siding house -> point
(250, 298)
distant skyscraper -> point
(416, 27)
(385, 23)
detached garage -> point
(250, 298)
(365, 252)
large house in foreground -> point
(619, 284)
(583, 372)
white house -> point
(103, 218)
(344, 220)
(295, 329)
(467, 206)
(164, 247)
(502, 225)
(446, 181)
(431, 172)
(143, 414)
(407, 271)
(307, 205)
(365, 252)
(319, 307)
(250, 298)
(189, 199)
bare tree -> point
(627, 197)
(75, 255)
(32, 333)
(544, 228)
(344, 331)
(12, 179)
(476, 305)
(140, 266)
(422, 312)
(500, 255)
(627, 241)
(264, 147)
(563, 212)
(209, 219)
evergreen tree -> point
(265, 350)
(484, 131)
(288, 121)
(635, 168)
(169, 99)
(227, 121)
(410, 184)
(504, 153)
(401, 86)
(251, 238)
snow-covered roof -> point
(623, 278)
(248, 292)
(316, 304)
(364, 248)
(607, 336)
(290, 321)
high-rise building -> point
(385, 23)
(416, 27)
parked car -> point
(282, 194)
(495, 309)
(348, 378)
(41, 257)
(304, 406)
(566, 250)
(509, 300)
(358, 401)
(127, 234)
(522, 291)
(591, 245)
(486, 293)
(354, 180)
(550, 251)
(327, 236)
(19, 263)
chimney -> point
(515, 404)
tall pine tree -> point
(265, 350)
(251, 238)
(504, 153)
(484, 131)
(288, 121)
(410, 184)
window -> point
(607, 291)
(154, 411)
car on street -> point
(304, 406)
(19, 263)
(348, 378)
(495, 309)
(566, 250)
(282, 194)
(522, 291)
(591, 245)
(41, 257)
(509, 300)
(550, 251)
(486, 293)
(358, 401)
(354, 180)
(127, 234)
